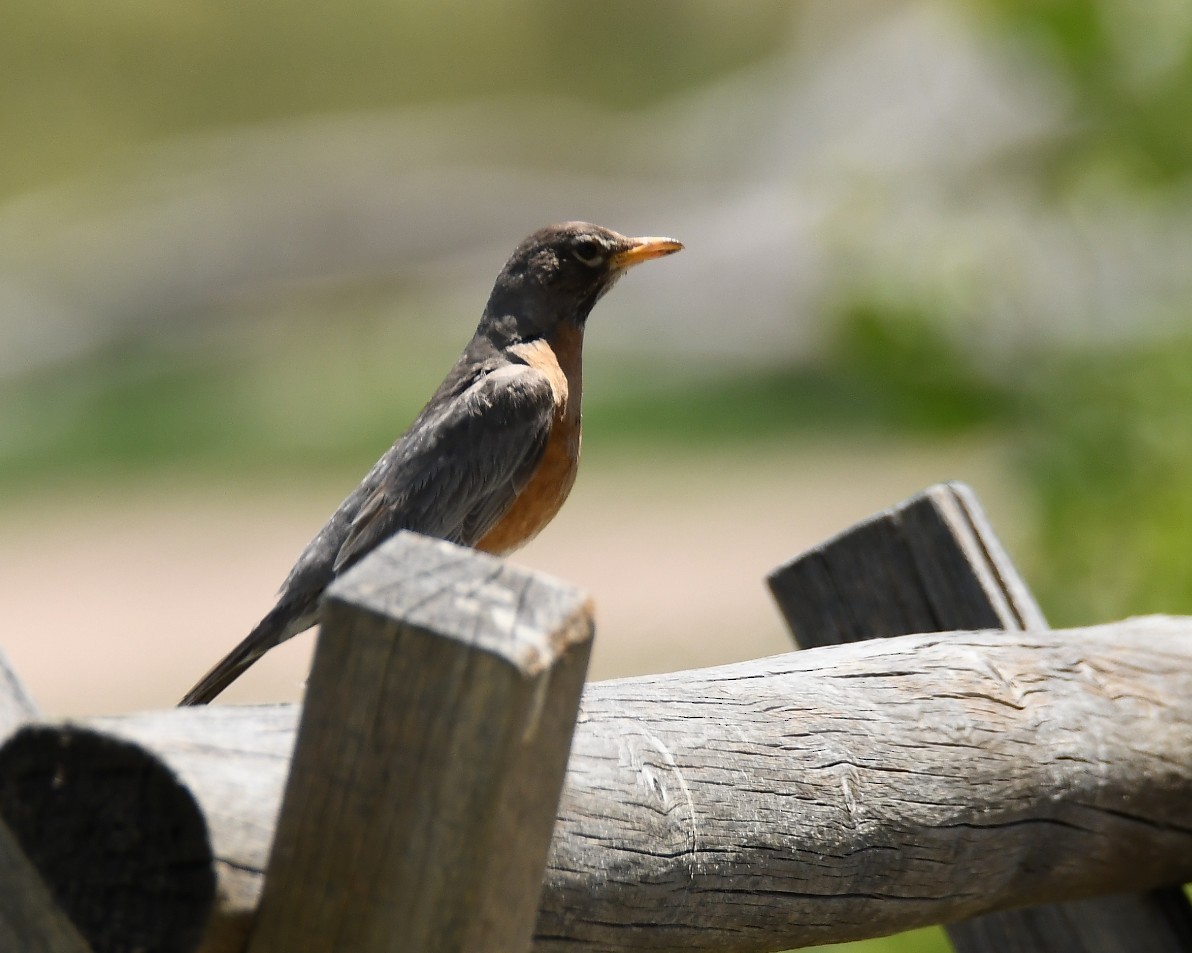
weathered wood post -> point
(430, 756)
(934, 564)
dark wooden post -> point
(930, 565)
(30, 921)
(430, 757)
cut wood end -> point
(952, 492)
(120, 843)
(527, 618)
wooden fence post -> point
(934, 564)
(430, 757)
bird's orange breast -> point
(547, 490)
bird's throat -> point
(560, 357)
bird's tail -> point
(269, 632)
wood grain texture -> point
(824, 795)
(934, 563)
(430, 756)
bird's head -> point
(559, 273)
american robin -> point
(493, 455)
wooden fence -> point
(450, 783)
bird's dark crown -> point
(559, 273)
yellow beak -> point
(644, 249)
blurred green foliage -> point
(1108, 453)
(1129, 66)
(911, 372)
(1103, 439)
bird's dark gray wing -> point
(453, 474)
(460, 468)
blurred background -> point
(241, 243)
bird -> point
(492, 457)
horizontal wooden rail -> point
(814, 797)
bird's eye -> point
(590, 252)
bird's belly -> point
(544, 494)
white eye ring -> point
(592, 260)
